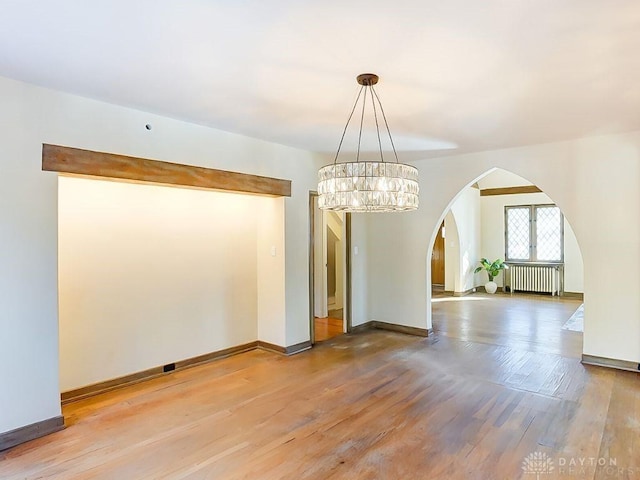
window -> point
(534, 233)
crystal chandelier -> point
(368, 186)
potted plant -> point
(493, 270)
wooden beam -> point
(99, 164)
(487, 192)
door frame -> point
(313, 195)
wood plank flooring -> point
(326, 328)
(524, 321)
(375, 405)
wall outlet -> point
(169, 367)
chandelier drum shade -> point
(368, 186)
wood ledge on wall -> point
(131, 379)
(60, 159)
(487, 192)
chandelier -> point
(370, 185)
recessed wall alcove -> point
(160, 263)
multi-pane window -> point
(534, 233)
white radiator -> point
(531, 277)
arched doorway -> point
(504, 216)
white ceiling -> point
(456, 75)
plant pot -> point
(491, 287)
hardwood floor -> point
(375, 405)
(326, 328)
(524, 321)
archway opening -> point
(538, 305)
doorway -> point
(545, 314)
(438, 260)
(329, 266)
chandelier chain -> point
(375, 116)
(364, 104)
(347, 125)
(386, 124)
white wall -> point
(595, 182)
(149, 275)
(501, 178)
(359, 268)
(493, 236)
(466, 212)
(30, 116)
(271, 302)
(28, 265)
(398, 248)
(574, 265)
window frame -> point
(533, 240)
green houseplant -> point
(493, 270)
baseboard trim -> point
(392, 327)
(579, 296)
(137, 377)
(298, 347)
(290, 350)
(31, 432)
(465, 293)
(481, 289)
(362, 327)
(271, 347)
(208, 357)
(611, 363)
